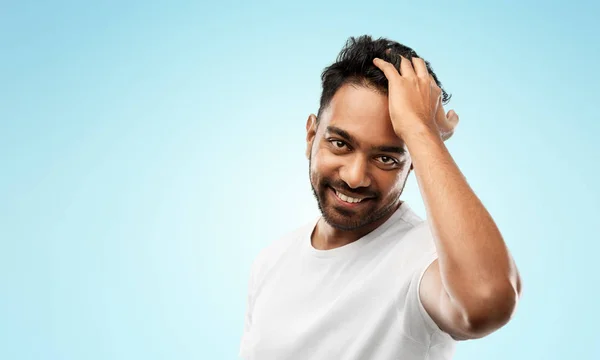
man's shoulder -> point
(419, 238)
(276, 248)
(412, 232)
(404, 222)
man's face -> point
(354, 154)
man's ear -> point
(311, 132)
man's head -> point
(352, 148)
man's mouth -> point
(348, 199)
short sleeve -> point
(428, 321)
(427, 328)
(420, 253)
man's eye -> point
(338, 143)
(388, 160)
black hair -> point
(354, 65)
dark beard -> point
(349, 224)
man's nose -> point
(355, 172)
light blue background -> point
(149, 150)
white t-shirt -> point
(355, 302)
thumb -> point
(452, 118)
(450, 125)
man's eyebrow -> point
(342, 133)
(390, 149)
(383, 148)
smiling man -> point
(369, 279)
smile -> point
(348, 200)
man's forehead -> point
(361, 112)
(360, 101)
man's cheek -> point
(319, 163)
(329, 162)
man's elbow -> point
(491, 309)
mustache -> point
(342, 186)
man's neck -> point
(326, 237)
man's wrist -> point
(419, 131)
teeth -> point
(347, 198)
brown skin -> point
(474, 286)
(354, 167)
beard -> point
(346, 219)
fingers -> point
(406, 68)
(388, 69)
(420, 68)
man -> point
(369, 279)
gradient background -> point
(149, 150)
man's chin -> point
(341, 225)
(342, 222)
(350, 220)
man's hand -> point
(415, 99)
